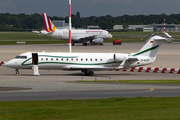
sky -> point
(89, 8)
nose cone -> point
(110, 36)
(7, 64)
(10, 64)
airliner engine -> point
(98, 41)
(120, 57)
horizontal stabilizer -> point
(168, 35)
(160, 39)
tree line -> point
(35, 21)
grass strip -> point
(7, 38)
(139, 108)
(136, 81)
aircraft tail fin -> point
(151, 48)
(48, 23)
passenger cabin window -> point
(72, 59)
(76, 59)
(91, 59)
(41, 58)
(46, 58)
(57, 59)
(95, 59)
(67, 59)
(81, 59)
(51, 58)
(86, 59)
(61, 59)
(100, 59)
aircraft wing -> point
(35, 31)
(85, 38)
(90, 67)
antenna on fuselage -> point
(69, 26)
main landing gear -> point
(17, 72)
(86, 72)
(84, 44)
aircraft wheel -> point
(17, 72)
(91, 73)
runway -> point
(52, 85)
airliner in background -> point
(87, 62)
(92, 36)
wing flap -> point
(83, 67)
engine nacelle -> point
(120, 57)
(98, 41)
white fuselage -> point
(76, 34)
(75, 61)
(88, 62)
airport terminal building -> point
(151, 27)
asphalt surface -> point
(53, 85)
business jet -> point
(77, 35)
(87, 62)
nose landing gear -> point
(17, 72)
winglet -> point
(48, 24)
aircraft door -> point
(34, 59)
(65, 34)
(35, 68)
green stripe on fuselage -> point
(23, 64)
(48, 56)
(58, 56)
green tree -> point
(78, 14)
(125, 26)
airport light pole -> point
(70, 26)
(164, 24)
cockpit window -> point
(21, 57)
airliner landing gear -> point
(90, 73)
(84, 44)
(17, 72)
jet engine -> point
(98, 41)
(120, 57)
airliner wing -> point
(85, 38)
